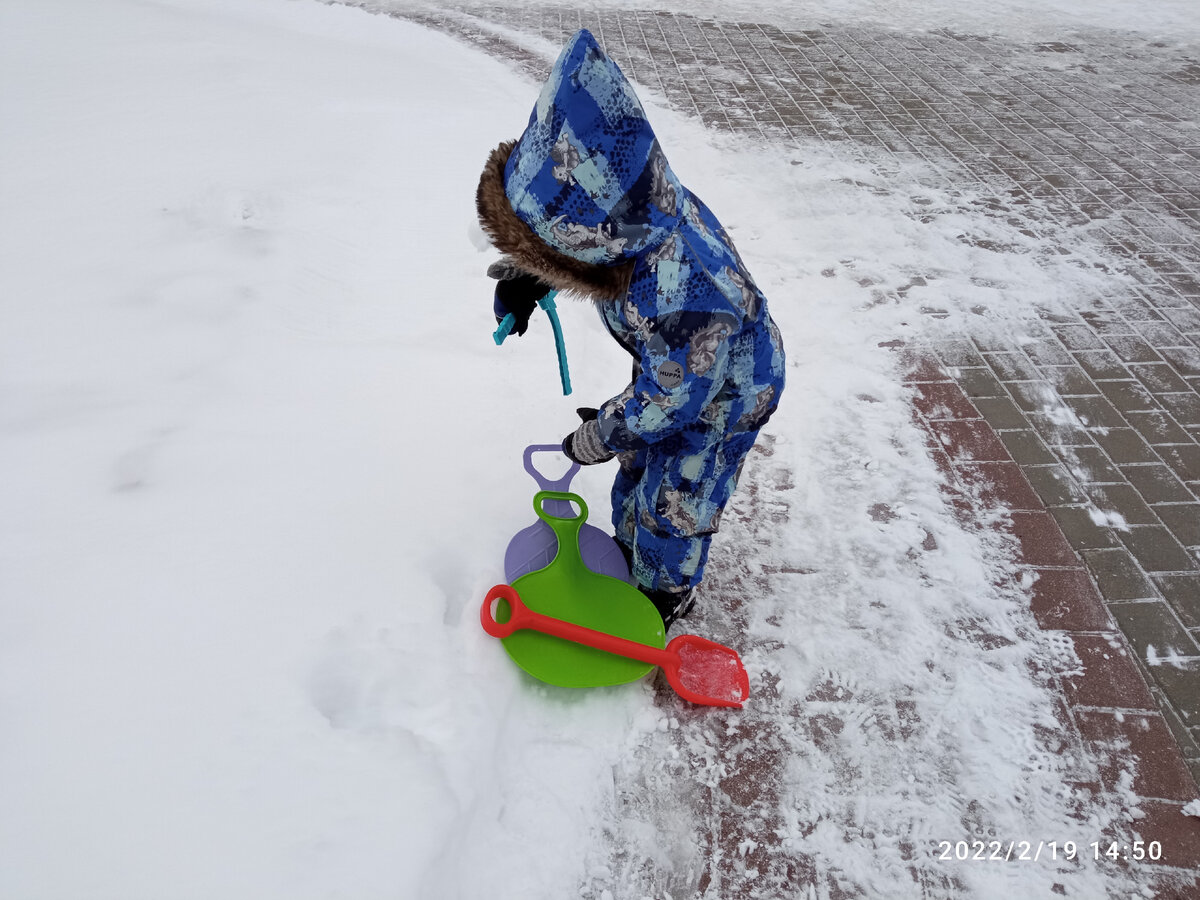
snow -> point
(264, 462)
(1169, 656)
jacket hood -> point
(586, 189)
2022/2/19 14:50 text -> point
(1035, 851)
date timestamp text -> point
(1034, 851)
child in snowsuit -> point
(585, 201)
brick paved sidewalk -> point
(1089, 429)
(1108, 710)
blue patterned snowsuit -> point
(590, 181)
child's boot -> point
(671, 605)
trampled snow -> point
(262, 460)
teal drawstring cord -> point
(546, 303)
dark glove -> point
(517, 292)
(584, 445)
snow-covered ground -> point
(262, 458)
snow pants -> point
(666, 507)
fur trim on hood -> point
(517, 240)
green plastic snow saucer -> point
(568, 590)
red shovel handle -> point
(700, 671)
(521, 616)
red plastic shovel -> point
(699, 670)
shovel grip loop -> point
(487, 613)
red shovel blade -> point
(701, 671)
(706, 672)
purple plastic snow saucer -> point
(535, 547)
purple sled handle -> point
(534, 547)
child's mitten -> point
(517, 292)
(584, 445)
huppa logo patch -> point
(670, 375)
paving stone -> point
(1042, 541)
(1183, 520)
(1066, 600)
(1048, 353)
(1095, 412)
(1107, 675)
(979, 382)
(1158, 427)
(1118, 575)
(1011, 366)
(1185, 285)
(1102, 365)
(943, 400)
(1054, 485)
(1156, 550)
(1157, 483)
(1180, 731)
(1091, 465)
(1154, 631)
(1185, 360)
(1179, 838)
(918, 366)
(1058, 428)
(1187, 320)
(944, 464)
(1026, 448)
(1160, 378)
(1180, 681)
(1144, 740)
(1161, 334)
(1184, 407)
(1123, 500)
(1125, 445)
(999, 484)
(1183, 593)
(1078, 337)
(960, 354)
(1031, 396)
(1109, 323)
(969, 440)
(1128, 395)
(1001, 413)
(1070, 381)
(1081, 530)
(991, 343)
(1184, 460)
(1132, 349)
